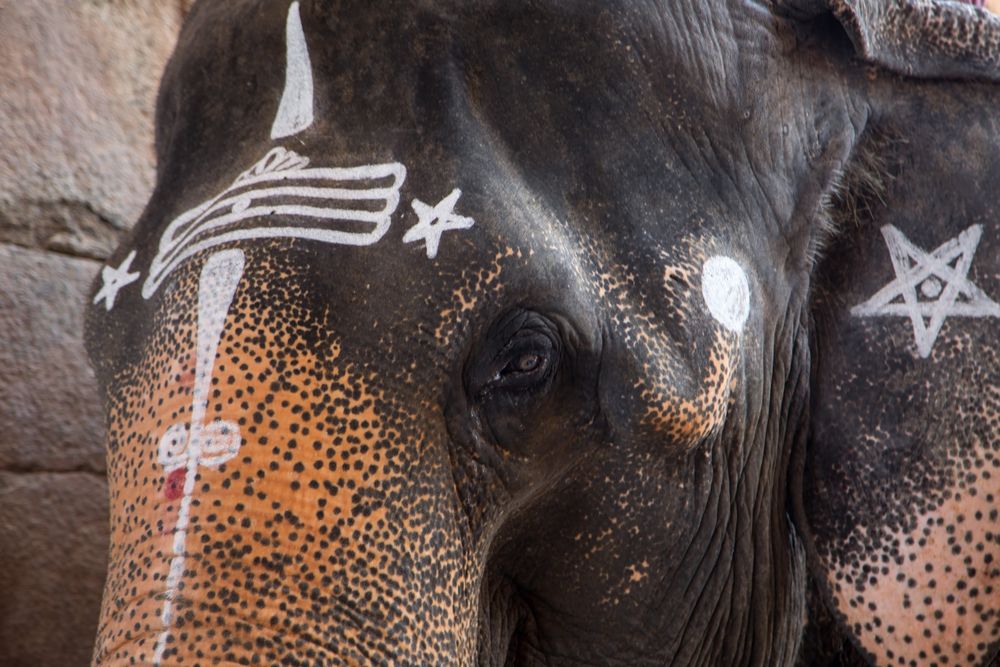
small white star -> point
(942, 278)
(115, 280)
(444, 213)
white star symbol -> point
(115, 280)
(942, 279)
(448, 221)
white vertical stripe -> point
(295, 113)
(219, 279)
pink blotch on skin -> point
(183, 371)
(173, 487)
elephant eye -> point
(521, 367)
(525, 364)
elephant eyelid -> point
(525, 364)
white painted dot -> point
(726, 291)
(931, 288)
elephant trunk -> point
(270, 504)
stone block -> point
(77, 102)
(53, 547)
(51, 416)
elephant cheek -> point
(689, 416)
(929, 593)
(294, 533)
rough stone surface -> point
(50, 412)
(77, 100)
(77, 96)
(53, 536)
(63, 226)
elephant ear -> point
(899, 489)
(952, 39)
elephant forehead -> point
(474, 287)
(301, 504)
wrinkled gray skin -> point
(539, 447)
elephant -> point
(541, 332)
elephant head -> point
(559, 333)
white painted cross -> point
(190, 445)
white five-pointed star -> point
(447, 221)
(942, 279)
(114, 280)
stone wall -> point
(77, 92)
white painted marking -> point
(283, 175)
(114, 280)
(447, 220)
(726, 291)
(295, 112)
(196, 444)
(941, 275)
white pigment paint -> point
(113, 280)
(939, 282)
(295, 112)
(195, 444)
(726, 291)
(362, 199)
(443, 214)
